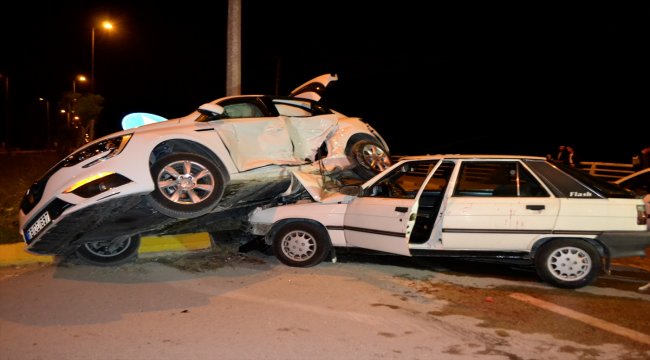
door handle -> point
(535, 207)
(401, 209)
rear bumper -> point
(625, 243)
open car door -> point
(383, 218)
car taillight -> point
(641, 216)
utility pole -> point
(233, 56)
(7, 137)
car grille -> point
(55, 208)
(33, 196)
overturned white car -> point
(163, 176)
(524, 210)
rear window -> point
(567, 181)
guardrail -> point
(608, 171)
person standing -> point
(571, 158)
(644, 158)
(560, 156)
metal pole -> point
(7, 138)
(92, 61)
(233, 56)
(49, 126)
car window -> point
(498, 179)
(299, 107)
(242, 110)
(403, 182)
(568, 181)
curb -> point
(15, 254)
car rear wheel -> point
(568, 263)
(369, 158)
(186, 185)
(301, 244)
(109, 253)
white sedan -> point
(564, 222)
(158, 176)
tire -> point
(369, 158)
(109, 253)
(186, 185)
(568, 263)
(301, 244)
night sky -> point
(431, 78)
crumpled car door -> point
(254, 140)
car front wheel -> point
(301, 244)
(568, 263)
(186, 185)
(109, 253)
(369, 158)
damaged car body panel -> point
(515, 209)
(157, 175)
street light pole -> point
(47, 122)
(108, 26)
(92, 61)
(74, 84)
(7, 138)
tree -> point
(82, 114)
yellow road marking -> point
(590, 320)
(15, 254)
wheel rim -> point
(569, 263)
(186, 182)
(106, 248)
(298, 245)
(375, 157)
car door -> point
(253, 137)
(309, 124)
(383, 217)
(497, 205)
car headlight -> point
(111, 147)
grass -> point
(20, 170)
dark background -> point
(431, 78)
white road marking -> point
(590, 320)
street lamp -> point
(108, 26)
(79, 78)
(71, 105)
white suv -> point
(564, 222)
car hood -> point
(314, 184)
(314, 88)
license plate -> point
(39, 225)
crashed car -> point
(163, 176)
(565, 223)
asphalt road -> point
(224, 304)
